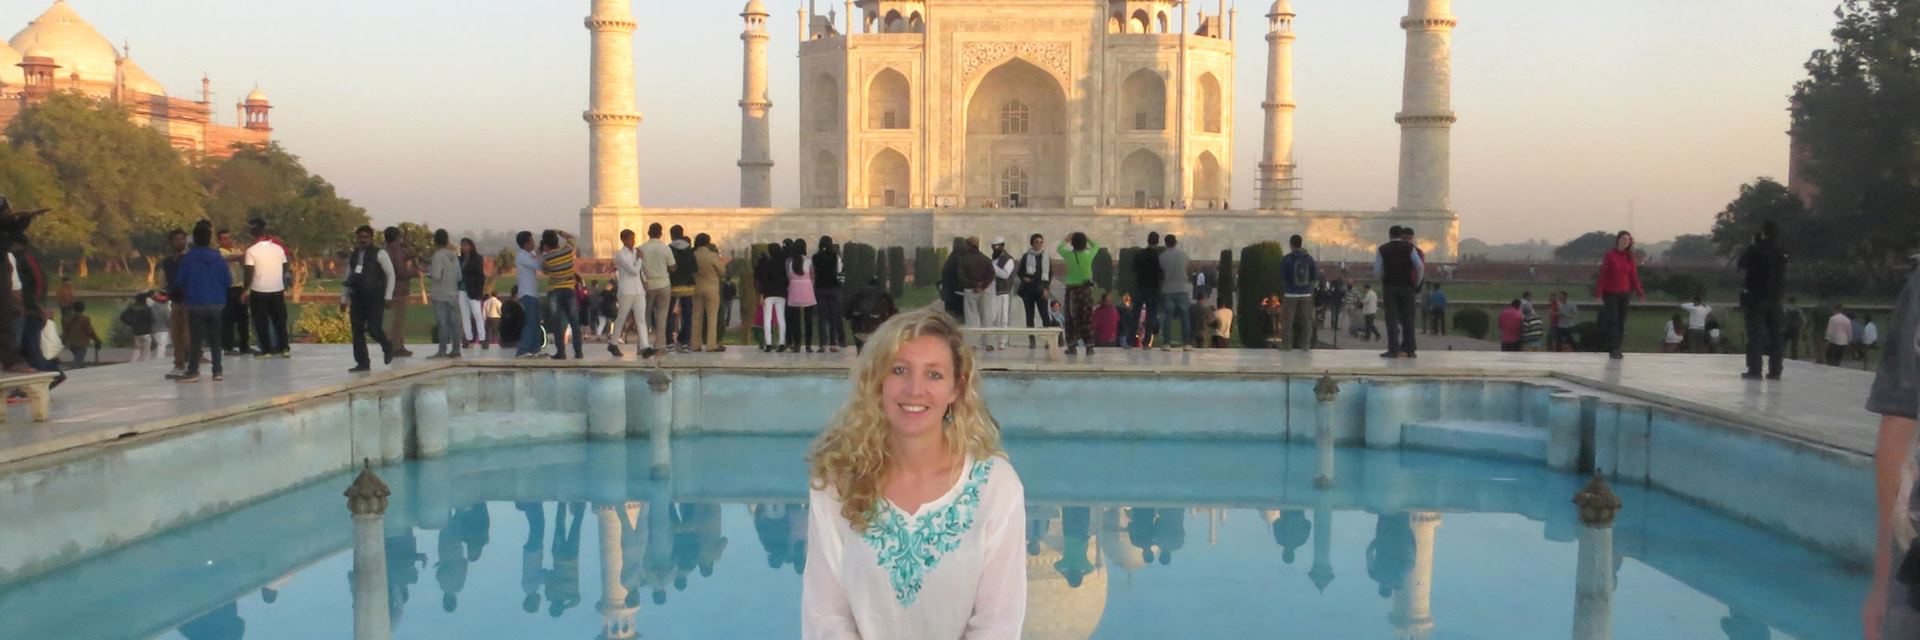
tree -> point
(1855, 117)
(126, 179)
(1760, 202)
(1692, 249)
(1590, 247)
(30, 184)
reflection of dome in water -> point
(1056, 610)
(1116, 544)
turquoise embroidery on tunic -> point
(908, 554)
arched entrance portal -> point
(1017, 118)
(1143, 181)
(889, 181)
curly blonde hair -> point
(852, 456)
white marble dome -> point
(76, 46)
(139, 80)
(11, 74)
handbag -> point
(50, 344)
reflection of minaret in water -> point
(1322, 571)
(367, 501)
(616, 617)
(1413, 603)
(1593, 575)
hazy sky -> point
(466, 113)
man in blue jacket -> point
(204, 276)
(1298, 274)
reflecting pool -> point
(1127, 539)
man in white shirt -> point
(265, 266)
(1839, 335)
(628, 266)
(1697, 314)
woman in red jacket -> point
(1619, 276)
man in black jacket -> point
(1399, 265)
(1146, 286)
(1765, 266)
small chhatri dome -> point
(60, 33)
(1281, 8)
(257, 95)
(755, 8)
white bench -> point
(1053, 336)
(37, 386)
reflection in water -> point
(1097, 567)
(404, 562)
(563, 580)
(223, 623)
(1290, 531)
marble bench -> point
(38, 389)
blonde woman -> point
(918, 527)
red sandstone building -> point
(59, 51)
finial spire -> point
(368, 494)
(1597, 502)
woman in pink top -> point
(1512, 323)
(800, 298)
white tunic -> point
(955, 569)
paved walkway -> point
(1818, 405)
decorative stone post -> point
(432, 411)
(1593, 577)
(1327, 392)
(616, 618)
(660, 432)
(367, 501)
(607, 406)
(393, 426)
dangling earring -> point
(948, 420)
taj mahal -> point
(923, 120)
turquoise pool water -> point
(1131, 539)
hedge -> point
(897, 271)
(1125, 279)
(859, 264)
(1103, 269)
(1473, 322)
(1225, 279)
(1259, 278)
(926, 266)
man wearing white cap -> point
(1002, 303)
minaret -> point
(756, 145)
(614, 120)
(1426, 114)
(1276, 161)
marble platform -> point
(1815, 405)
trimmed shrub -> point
(1103, 269)
(1473, 322)
(859, 263)
(1259, 278)
(896, 272)
(1225, 279)
(926, 266)
(1124, 277)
